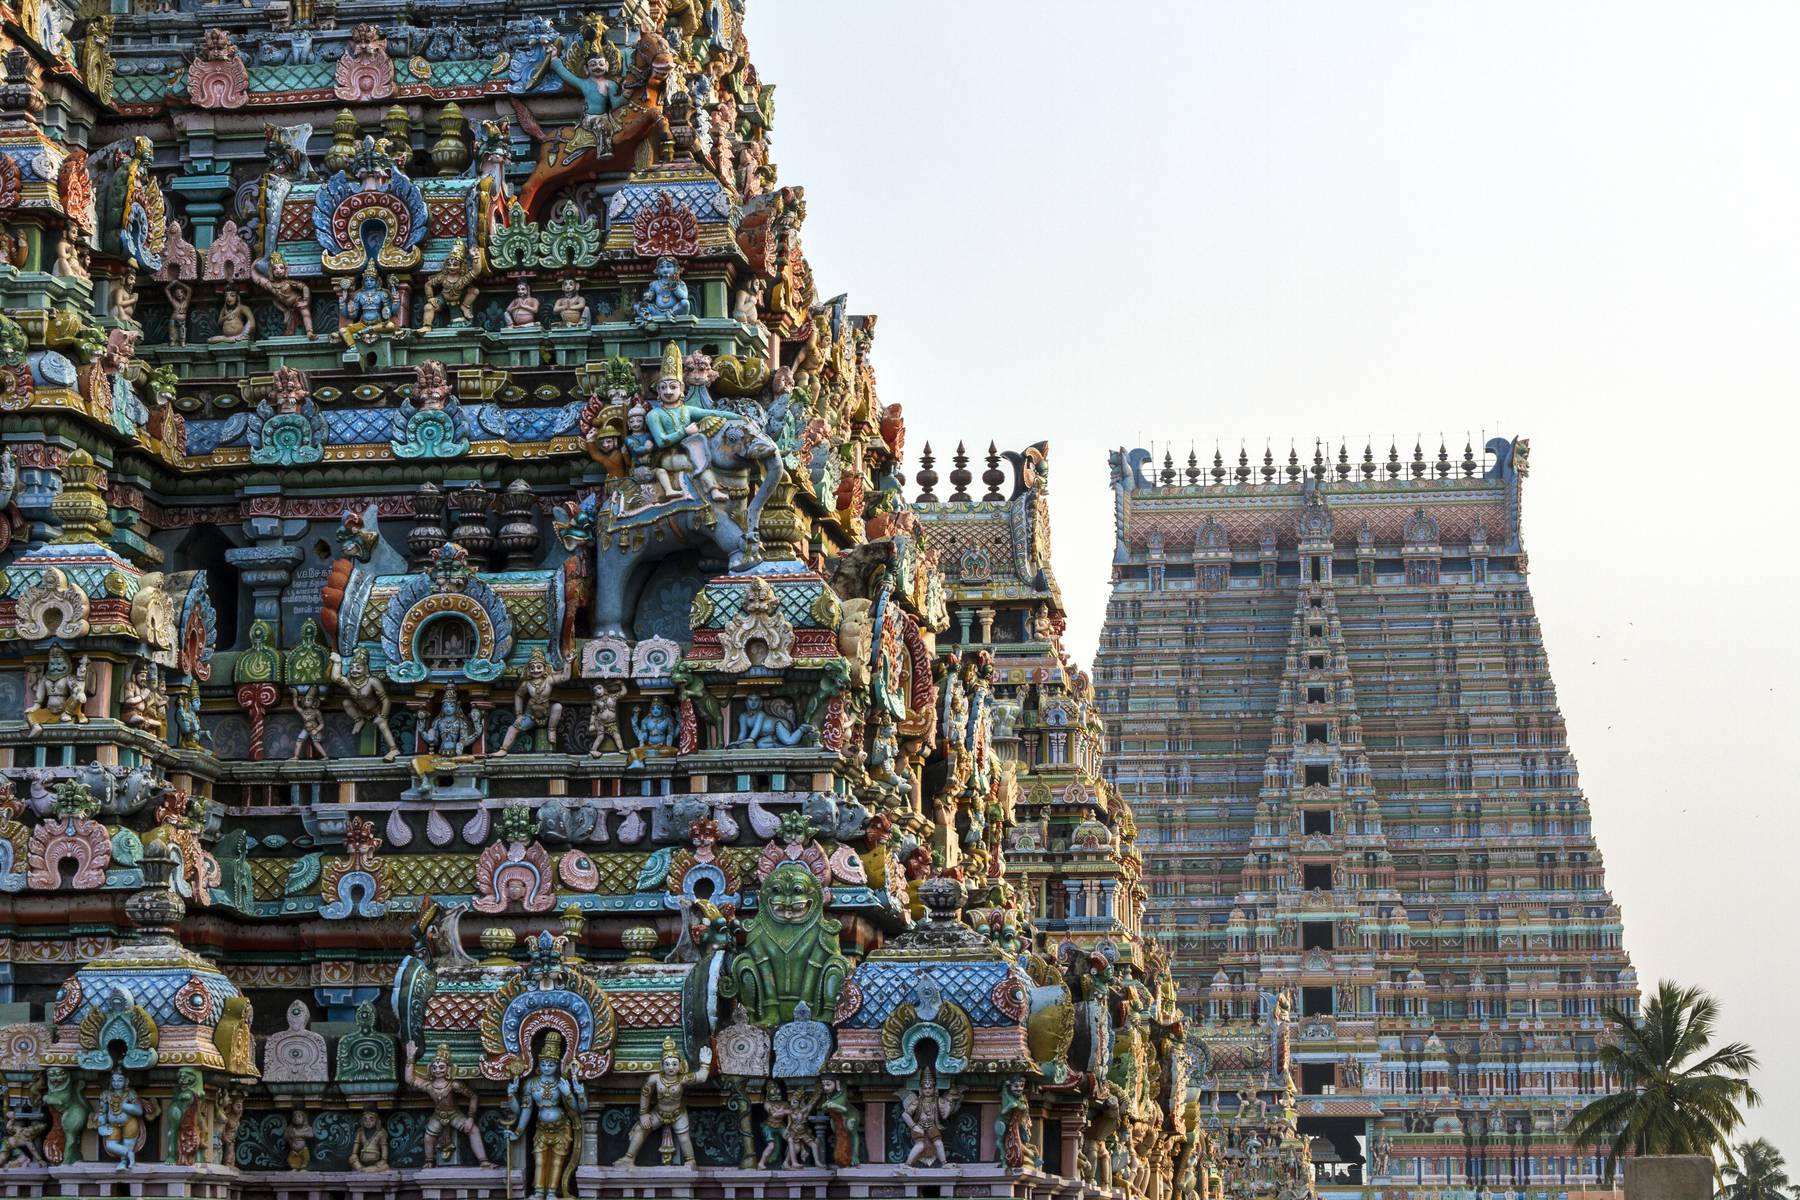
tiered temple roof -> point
(1327, 701)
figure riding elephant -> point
(633, 543)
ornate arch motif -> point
(52, 607)
(522, 1008)
(117, 1018)
(77, 838)
(420, 602)
(514, 872)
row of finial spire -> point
(960, 477)
(1322, 468)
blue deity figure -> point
(369, 310)
(655, 729)
(766, 727)
(665, 296)
(450, 733)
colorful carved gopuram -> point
(478, 715)
(1327, 703)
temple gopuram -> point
(478, 715)
(1327, 704)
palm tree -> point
(1670, 1103)
(1759, 1174)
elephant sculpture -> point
(635, 542)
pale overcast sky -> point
(1207, 222)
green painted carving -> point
(792, 954)
(261, 663)
(514, 244)
(306, 662)
(365, 1056)
(62, 1092)
(568, 240)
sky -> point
(1224, 223)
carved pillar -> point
(986, 618)
(267, 569)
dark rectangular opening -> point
(1318, 773)
(1317, 602)
(1316, 1077)
(1317, 631)
(1316, 875)
(1318, 935)
(1315, 693)
(1315, 820)
(1315, 662)
(1315, 732)
(1315, 1002)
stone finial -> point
(993, 477)
(1242, 474)
(959, 476)
(1218, 467)
(1268, 466)
(927, 477)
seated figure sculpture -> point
(450, 733)
(665, 296)
(766, 726)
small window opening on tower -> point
(1318, 603)
(1317, 935)
(1318, 773)
(1317, 631)
(1316, 1077)
(1315, 694)
(1315, 1001)
(1315, 732)
(1315, 662)
(1315, 820)
(1317, 876)
(1318, 568)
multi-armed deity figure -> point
(448, 1117)
(662, 1105)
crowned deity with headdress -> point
(550, 1108)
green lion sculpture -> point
(792, 954)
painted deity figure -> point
(522, 313)
(571, 308)
(550, 1109)
(924, 1109)
(292, 297)
(369, 1150)
(366, 699)
(655, 728)
(453, 286)
(662, 1105)
(450, 733)
(533, 705)
(236, 322)
(309, 702)
(448, 1118)
(603, 720)
(680, 430)
(368, 311)
(142, 702)
(119, 1122)
(790, 1129)
(600, 94)
(765, 727)
(24, 1138)
(59, 693)
(180, 295)
(665, 296)
(299, 1137)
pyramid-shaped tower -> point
(1327, 701)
